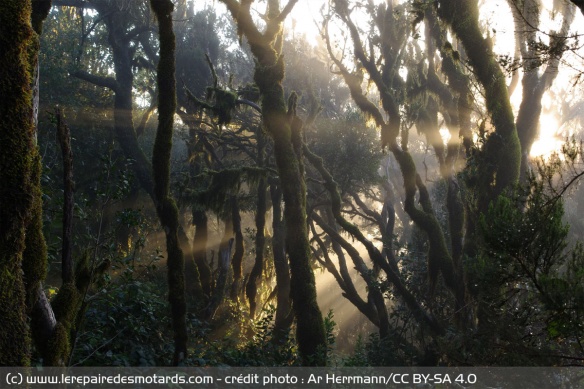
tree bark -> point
(200, 250)
(269, 73)
(284, 314)
(165, 205)
(237, 261)
(527, 20)
(16, 182)
(258, 267)
(502, 150)
(64, 137)
(223, 267)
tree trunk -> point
(284, 315)
(527, 23)
(123, 110)
(200, 250)
(165, 205)
(64, 137)
(502, 150)
(260, 221)
(17, 188)
(237, 261)
(258, 267)
(269, 74)
(223, 267)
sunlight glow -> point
(548, 140)
(303, 20)
(445, 134)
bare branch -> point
(286, 11)
(249, 103)
(105, 82)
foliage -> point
(349, 149)
(528, 276)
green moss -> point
(502, 150)
(13, 333)
(58, 347)
(66, 304)
(225, 104)
(34, 263)
(17, 145)
(310, 326)
(83, 272)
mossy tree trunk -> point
(284, 316)
(239, 252)
(260, 221)
(56, 348)
(120, 40)
(17, 191)
(200, 249)
(502, 151)
(260, 242)
(165, 205)
(51, 324)
(64, 136)
(269, 73)
(224, 260)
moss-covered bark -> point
(260, 221)
(269, 73)
(64, 137)
(223, 267)
(55, 345)
(165, 205)
(200, 250)
(499, 168)
(260, 242)
(284, 316)
(237, 261)
(16, 181)
(34, 263)
(57, 349)
(310, 328)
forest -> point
(295, 183)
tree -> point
(392, 89)
(454, 244)
(527, 16)
(165, 205)
(284, 127)
(126, 27)
(17, 162)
